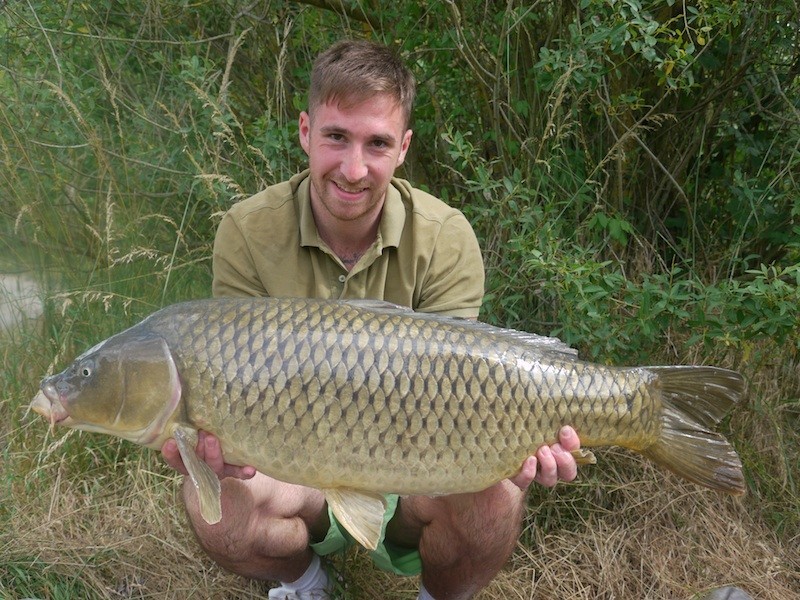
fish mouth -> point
(48, 404)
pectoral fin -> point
(361, 513)
(202, 477)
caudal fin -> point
(694, 400)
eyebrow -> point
(386, 138)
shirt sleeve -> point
(453, 284)
(234, 270)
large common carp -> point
(362, 398)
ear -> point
(404, 147)
(305, 131)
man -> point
(346, 228)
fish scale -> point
(362, 398)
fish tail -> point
(694, 400)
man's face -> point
(353, 152)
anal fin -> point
(584, 457)
(361, 513)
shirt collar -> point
(393, 218)
(309, 236)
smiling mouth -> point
(350, 189)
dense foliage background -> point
(630, 168)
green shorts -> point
(387, 556)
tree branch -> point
(357, 13)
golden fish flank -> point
(362, 398)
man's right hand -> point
(209, 450)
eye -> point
(85, 370)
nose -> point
(54, 387)
(353, 167)
(48, 388)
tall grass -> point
(625, 198)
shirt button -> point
(342, 278)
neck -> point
(349, 240)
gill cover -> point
(127, 386)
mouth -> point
(350, 191)
(47, 404)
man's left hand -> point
(551, 464)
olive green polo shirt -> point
(425, 256)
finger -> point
(172, 456)
(246, 472)
(213, 454)
(566, 467)
(526, 474)
(568, 438)
(200, 448)
(548, 468)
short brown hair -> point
(351, 71)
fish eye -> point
(86, 369)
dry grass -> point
(663, 540)
(122, 532)
(118, 528)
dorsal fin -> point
(537, 343)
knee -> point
(225, 545)
(257, 546)
(482, 529)
(257, 536)
(228, 542)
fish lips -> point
(49, 403)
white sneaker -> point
(281, 593)
(312, 585)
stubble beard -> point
(333, 205)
